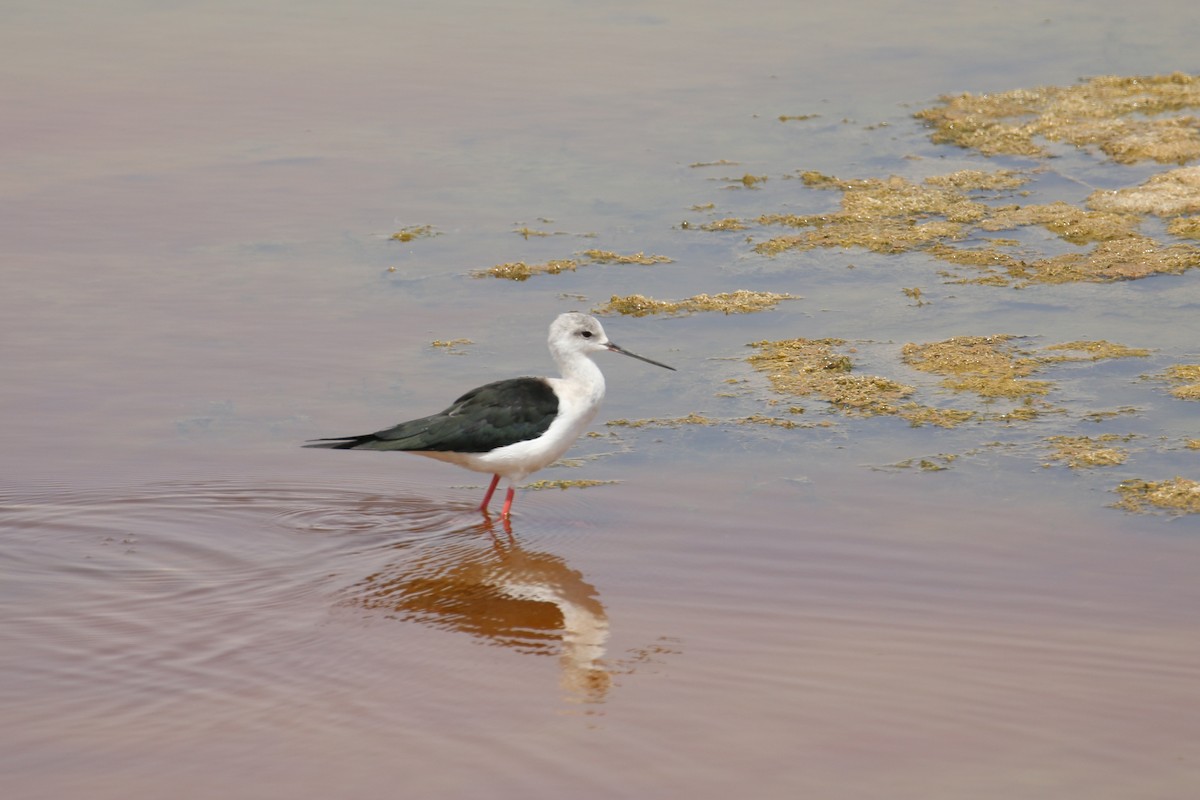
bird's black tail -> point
(341, 442)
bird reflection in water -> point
(492, 588)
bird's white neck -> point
(583, 374)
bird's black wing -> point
(491, 416)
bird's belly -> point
(519, 460)
(514, 461)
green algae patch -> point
(1000, 369)
(1186, 380)
(799, 366)
(566, 484)
(773, 422)
(1087, 451)
(525, 232)
(730, 224)
(609, 257)
(743, 301)
(994, 367)
(898, 197)
(989, 366)
(413, 232)
(700, 419)
(451, 346)
(891, 215)
(1120, 260)
(1124, 259)
(1120, 116)
(802, 367)
(520, 271)
(1167, 194)
(1091, 350)
(749, 181)
(918, 415)
(879, 236)
(1179, 495)
(1110, 413)
(1184, 227)
(673, 422)
(895, 215)
(1189, 392)
(1068, 222)
(969, 179)
(938, 463)
(949, 217)
(811, 177)
(746, 181)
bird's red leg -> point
(508, 498)
(487, 498)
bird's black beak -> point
(624, 352)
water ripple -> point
(136, 601)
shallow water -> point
(308, 638)
(196, 211)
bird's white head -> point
(577, 333)
(574, 334)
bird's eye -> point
(586, 334)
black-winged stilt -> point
(510, 428)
